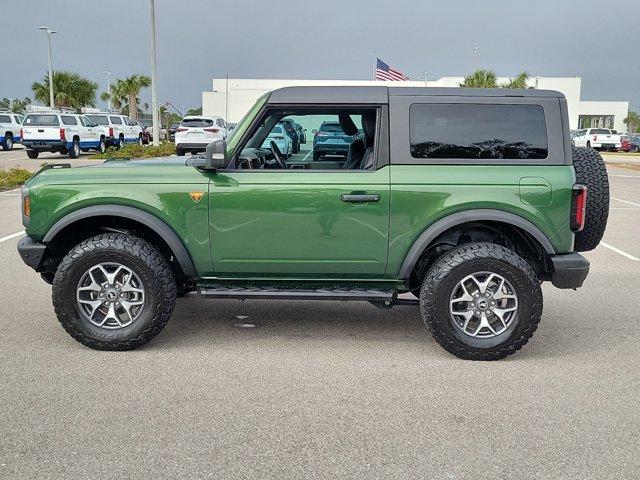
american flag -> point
(385, 72)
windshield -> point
(99, 119)
(39, 120)
(331, 127)
(243, 125)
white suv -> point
(10, 124)
(196, 132)
(66, 133)
(117, 129)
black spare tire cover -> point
(592, 173)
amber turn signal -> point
(26, 206)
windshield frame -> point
(243, 125)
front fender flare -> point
(459, 218)
(154, 223)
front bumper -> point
(31, 252)
(569, 270)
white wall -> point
(244, 92)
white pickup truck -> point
(66, 133)
(597, 138)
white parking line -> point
(625, 201)
(617, 250)
(13, 235)
(305, 157)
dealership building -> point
(232, 98)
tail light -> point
(578, 207)
(321, 134)
(182, 129)
(62, 135)
(212, 130)
(595, 138)
(111, 131)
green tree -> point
(480, 79)
(520, 81)
(69, 90)
(15, 105)
(128, 90)
(194, 111)
(632, 120)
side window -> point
(68, 120)
(5, 119)
(474, 131)
(116, 120)
(221, 123)
(19, 119)
(337, 138)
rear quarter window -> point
(68, 120)
(5, 119)
(116, 120)
(477, 131)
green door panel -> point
(535, 191)
(423, 194)
(294, 223)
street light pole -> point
(426, 76)
(108, 74)
(154, 94)
(475, 58)
(49, 32)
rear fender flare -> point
(450, 221)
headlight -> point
(26, 206)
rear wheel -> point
(179, 152)
(7, 143)
(636, 149)
(481, 301)
(591, 172)
(74, 151)
(588, 144)
(33, 153)
(114, 292)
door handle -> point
(356, 198)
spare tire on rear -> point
(592, 173)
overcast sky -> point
(328, 39)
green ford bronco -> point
(460, 201)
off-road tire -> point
(591, 172)
(133, 252)
(33, 153)
(7, 143)
(74, 151)
(451, 267)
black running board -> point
(259, 293)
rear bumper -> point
(569, 270)
(45, 145)
(31, 252)
(331, 148)
(192, 147)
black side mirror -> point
(216, 155)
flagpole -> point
(375, 64)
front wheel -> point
(114, 292)
(7, 143)
(140, 141)
(102, 147)
(120, 142)
(481, 301)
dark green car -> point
(461, 201)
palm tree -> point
(520, 81)
(632, 121)
(480, 79)
(69, 90)
(129, 89)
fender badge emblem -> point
(196, 196)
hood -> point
(126, 171)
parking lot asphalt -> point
(327, 389)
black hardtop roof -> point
(380, 94)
